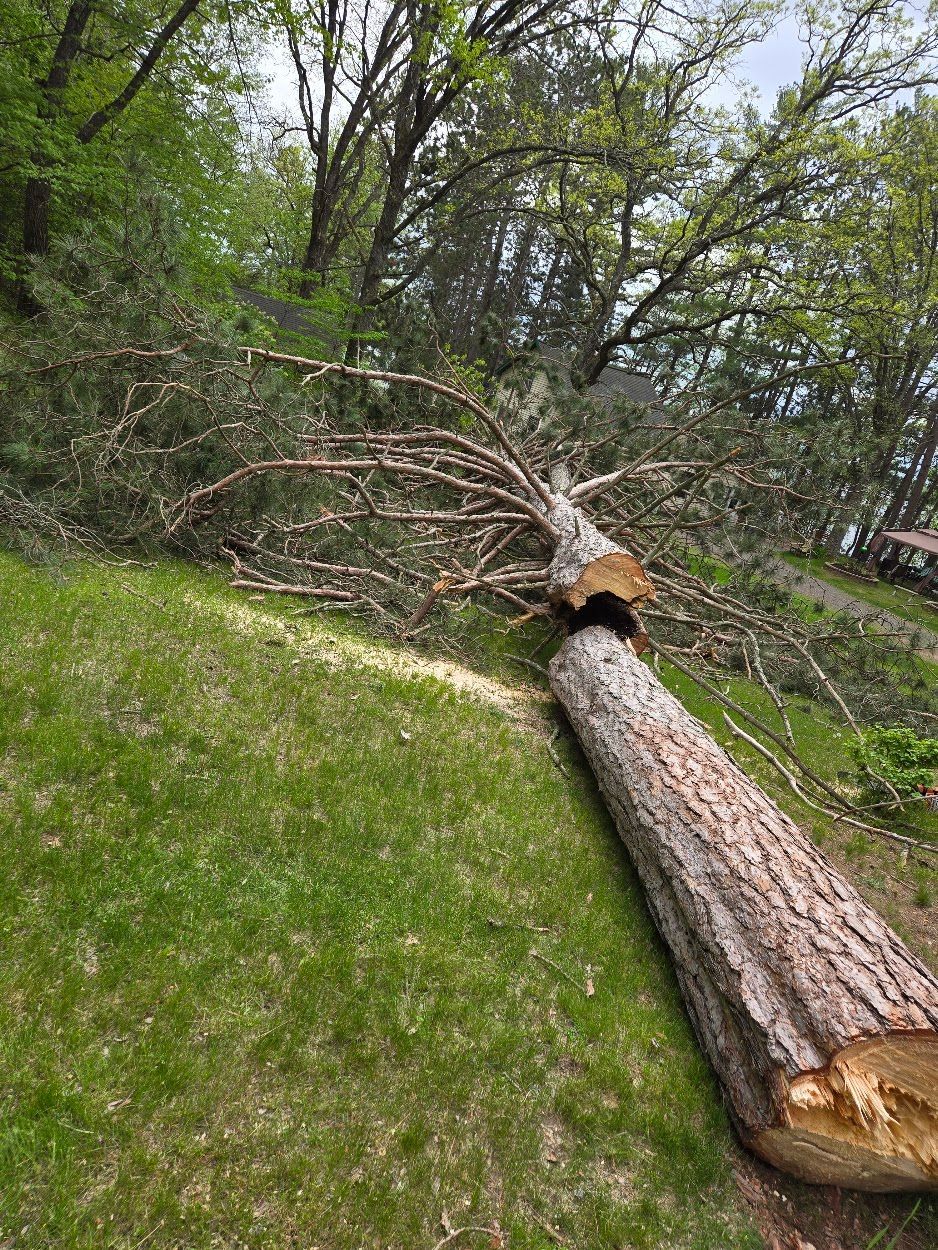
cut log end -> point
(604, 589)
(868, 1121)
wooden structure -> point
(918, 540)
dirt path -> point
(816, 589)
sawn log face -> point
(821, 1025)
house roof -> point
(615, 382)
(921, 540)
(294, 318)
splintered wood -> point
(821, 1025)
(587, 563)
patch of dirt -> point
(617, 1181)
(567, 1066)
(553, 1147)
(793, 1216)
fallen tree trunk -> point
(822, 1027)
(820, 1024)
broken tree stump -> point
(821, 1026)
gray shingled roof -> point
(617, 383)
(293, 318)
(614, 382)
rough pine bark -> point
(821, 1026)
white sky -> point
(769, 65)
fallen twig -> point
(546, 1228)
(824, 811)
(560, 972)
(533, 664)
(518, 924)
(469, 1228)
(552, 751)
(154, 603)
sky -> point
(773, 63)
(769, 65)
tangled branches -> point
(404, 496)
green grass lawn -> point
(250, 993)
(268, 916)
(898, 600)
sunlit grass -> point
(898, 600)
(268, 913)
(251, 994)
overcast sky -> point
(768, 65)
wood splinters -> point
(870, 1121)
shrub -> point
(899, 756)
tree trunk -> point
(36, 202)
(914, 505)
(38, 195)
(822, 1027)
(859, 541)
(376, 262)
(843, 515)
(317, 257)
(480, 311)
(901, 495)
(547, 294)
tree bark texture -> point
(821, 1026)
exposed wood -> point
(590, 576)
(587, 563)
(821, 1025)
(861, 577)
(438, 588)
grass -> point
(252, 994)
(895, 599)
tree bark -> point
(821, 1026)
(900, 497)
(377, 260)
(913, 506)
(477, 313)
(37, 196)
(36, 200)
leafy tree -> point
(76, 78)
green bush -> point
(899, 756)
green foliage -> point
(179, 132)
(900, 756)
(114, 442)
